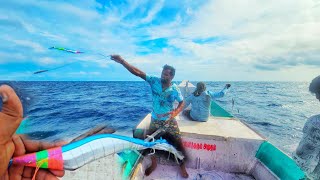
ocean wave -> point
(264, 124)
(38, 135)
(274, 105)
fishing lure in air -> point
(67, 50)
(75, 51)
(75, 155)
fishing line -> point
(38, 166)
(234, 108)
(59, 67)
(73, 52)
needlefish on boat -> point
(76, 154)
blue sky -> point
(219, 40)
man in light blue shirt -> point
(200, 101)
(162, 100)
(164, 93)
(307, 153)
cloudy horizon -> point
(218, 40)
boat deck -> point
(164, 172)
(100, 170)
(215, 127)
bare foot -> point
(183, 171)
(150, 169)
(153, 166)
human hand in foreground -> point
(12, 145)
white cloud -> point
(256, 30)
(280, 35)
(80, 73)
(27, 26)
(153, 11)
(95, 73)
(84, 13)
(257, 36)
(48, 61)
(35, 46)
(52, 36)
(10, 57)
(83, 73)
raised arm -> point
(129, 67)
(220, 94)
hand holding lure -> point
(75, 155)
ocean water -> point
(64, 110)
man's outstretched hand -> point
(117, 58)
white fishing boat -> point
(221, 148)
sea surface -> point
(63, 110)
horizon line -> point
(143, 81)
